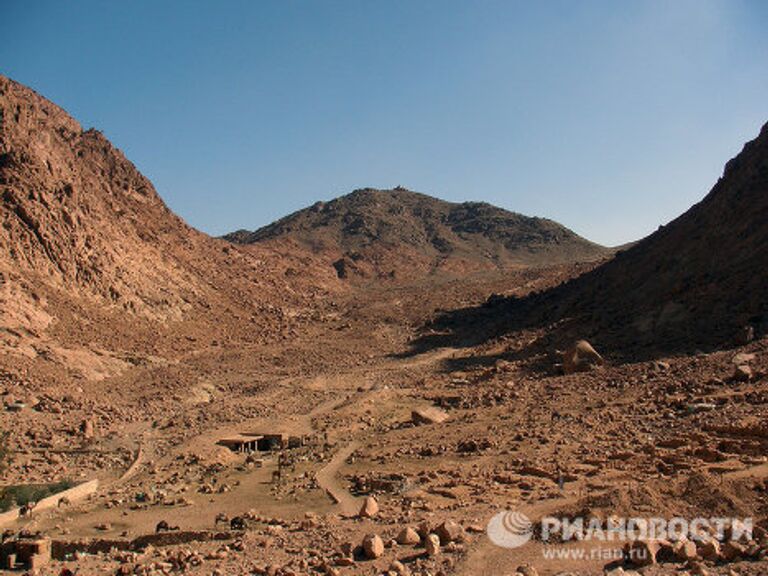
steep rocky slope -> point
(93, 259)
(697, 283)
(405, 234)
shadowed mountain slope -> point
(699, 282)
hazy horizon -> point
(609, 118)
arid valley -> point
(362, 386)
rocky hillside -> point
(698, 283)
(92, 259)
(400, 233)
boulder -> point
(733, 551)
(581, 357)
(527, 570)
(685, 550)
(432, 545)
(87, 428)
(742, 373)
(449, 531)
(642, 552)
(743, 358)
(710, 550)
(369, 508)
(408, 537)
(430, 415)
(399, 568)
(373, 546)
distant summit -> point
(400, 233)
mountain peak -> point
(402, 233)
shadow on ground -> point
(552, 320)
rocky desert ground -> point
(415, 369)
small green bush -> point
(24, 493)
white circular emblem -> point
(510, 529)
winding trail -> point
(328, 481)
(134, 467)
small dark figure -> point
(238, 523)
(26, 510)
(221, 518)
(162, 526)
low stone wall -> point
(181, 537)
(63, 549)
(79, 492)
(75, 494)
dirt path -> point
(329, 482)
(485, 557)
(759, 471)
(137, 462)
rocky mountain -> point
(92, 259)
(379, 233)
(697, 283)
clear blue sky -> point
(611, 117)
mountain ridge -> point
(92, 256)
(378, 232)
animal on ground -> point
(238, 523)
(26, 510)
(221, 518)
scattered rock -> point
(710, 550)
(743, 373)
(527, 570)
(370, 508)
(432, 544)
(449, 531)
(642, 552)
(408, 537)
(684, 550)
(373, 546)
(399, 568)
(429, 415)
(732, 551)
(581, 357)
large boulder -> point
(581, 357)
(685, 550)
(432, 545)
(449, 531)
(430, 415)
(710, 550)
(373, 546)
(369, 509)
(408, 536)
